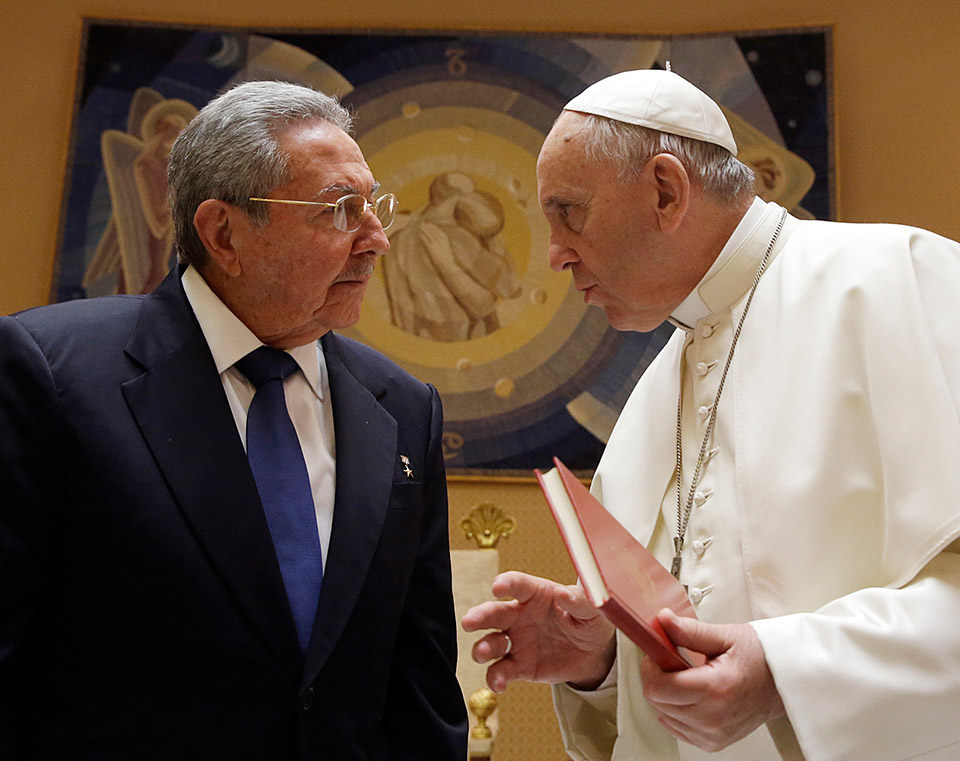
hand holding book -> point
(549, 632)
(620, 577)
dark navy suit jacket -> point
(142, 611)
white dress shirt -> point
(307, 393)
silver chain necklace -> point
(683, 510)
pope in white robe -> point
(812, 390)
(826, 514)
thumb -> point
(574, 601)
(699, 636)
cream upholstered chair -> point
(473, 574)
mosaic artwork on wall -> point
(451, 123)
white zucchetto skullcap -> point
(660, 100)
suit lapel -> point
(366, 440)
(182, 411)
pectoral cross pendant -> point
(677, 559)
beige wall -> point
(896, 78)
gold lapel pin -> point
(406, 465)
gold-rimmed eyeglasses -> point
(349, 211)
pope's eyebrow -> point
(556, 202)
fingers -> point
(497, 646)
(710, 741)
(676, 728)
(663, 689)
(710, 639)
(495, 614)
(716, 704)
(501, 673)
(502, 614)
(523, 587)
(520, 586)
(492, 646)
(574, 601)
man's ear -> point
(673, 190)
(214, 221)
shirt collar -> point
(230, 340)
(693, 308)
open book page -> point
(573, 536)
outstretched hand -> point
(548, 632)
(716, 704)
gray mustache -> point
(357, 273)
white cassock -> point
(828, 501)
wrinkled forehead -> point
(319, 141)
(563, 154)
(322, 152)
(564, 138)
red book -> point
(619, 575)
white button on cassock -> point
(698, 593)
(704, 412)
(706, 331)
(700, 545)
(702, 368)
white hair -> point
(631, 146)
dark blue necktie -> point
(276, 460)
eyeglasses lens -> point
(350, 210)
(386, 209)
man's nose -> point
(561, 255)
(374, 236)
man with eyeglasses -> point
(791, 455)
(223, 528)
